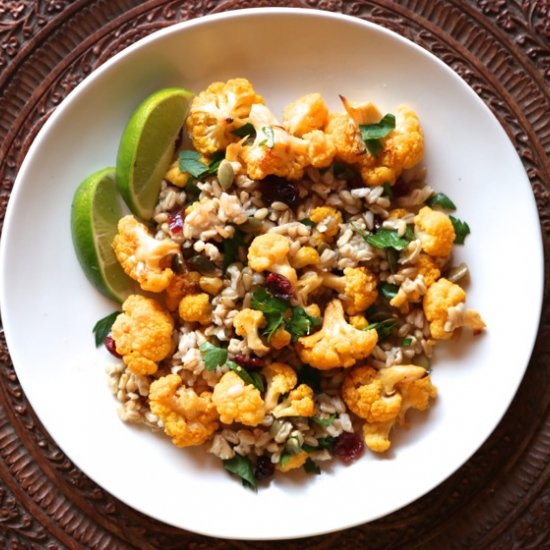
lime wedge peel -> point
(147, 148)
(95, 212)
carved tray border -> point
(501, 497)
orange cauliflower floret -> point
(181, 285)
(374, 396)
(274, 151)
(337, 344)
(416, 395)
(195, 308)
(402, 149)
(357, 287)
(306, 255)
(307, 113)
(143, 334)
(435, 231)
(217, 111)
(328, 220)
(361, 112)
(236, 401)
(269, 252)
(247, 322)
(280, 338)
(144, 258)
(280, 379)
(321, 149)
(445, 310)
(189, 419)
(299, 402)
(346, 138)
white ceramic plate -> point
(49, 308)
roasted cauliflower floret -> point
(337, 344)
(299, 402)
(328, 220)
(444, 305)
(306, 255)
(181, 285)
(236, 401)
(321, 149)
(247, 322)
(143, 334)
(361, 112)
(346, 138)
(195, 308)
(189, 419)
(274, 151)
(416, 395)
(304, 115)
(280, 379)
(280, 338)
(374, 395)
(402, 149)
(357, 288)
(217, 111)
(269, 252)
(435, 231)
(145, 259)
(308, 283)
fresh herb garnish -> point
(285, 457)
(254, 378)
(371, 134)
(324, 422)
(440, 199)
(384, 328)
(462, 229)
(326, 442)
(388, 290)
(192, 192)
(308, 222)
(241, 466)
(190, 162)
(311, 468)
(387, 238)
(301, 323)
(274, 309)
(231, 249)
(392, 256)
(269, 134)
(212, 355)
(245, 130)
(103, 327)
(406, 342)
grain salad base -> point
(364, 207)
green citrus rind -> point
(95, 212)
(147, 146)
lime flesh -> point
(147, 148)
(95, 212)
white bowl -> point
(49, 308)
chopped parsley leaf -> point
(384, 328)
(371, 134)
(241, 466)
(212, 355)
(231, 249)
(254, 378)
(440, 199)
(103, 327)
(388, 290)
(387, 238)
(301, 323)
(462, 229)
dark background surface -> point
(501, 497)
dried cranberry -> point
(279, 286)
(109, 343)
(249, 361)
(175, 220)
(348, 447)
(274, 188)
(264, 468)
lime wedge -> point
(95, 212)
(147, 147)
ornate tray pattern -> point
(498, 499)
